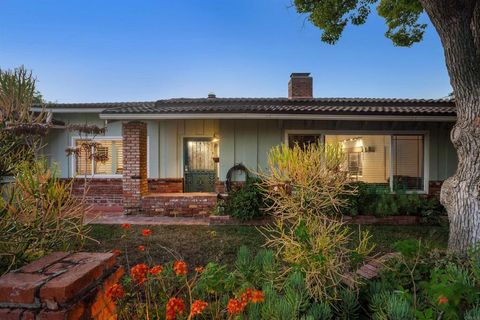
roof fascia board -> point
(69, 110)
(180, 116)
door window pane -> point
(408, 159)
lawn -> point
(199, 245)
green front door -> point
(199, 167)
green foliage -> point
(332, 16)
(379, 201)
(246, 202)
(402, 18)
(306, 190)
(319, 311)
(349, 308)
(391, 305)
(38, 215)
(425, 284)
(473, 314)
(20, 128)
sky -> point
(144, 50)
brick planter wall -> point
(165, 185)
(391, 220)
(61, 286)
(179, 204)
(102, 192)
(135, 182)
(434, 188)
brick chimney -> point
(300, 86)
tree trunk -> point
(457, 24)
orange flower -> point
(199, 269)
(235, 306)
(247, 296)
(139, 273)
(257, 296)
(141, 248)
(115, 292)
(146, 232)
(442, 300)
(197, 307)
(126, 226)
(174, 306)
(156, 270)
(180, 268)
(116, 252)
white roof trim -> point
(70, 110)
(141, 116)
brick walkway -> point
(369, 270)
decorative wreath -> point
(235, 168)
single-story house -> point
(171, 156)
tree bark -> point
(457, 23)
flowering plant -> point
(177, 291)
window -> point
(303, 140)
(391, 160)
(112, 150)
(367, 157)
(408, 158)
(355, 163)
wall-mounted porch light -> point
(216, 138)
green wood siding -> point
(244, 141)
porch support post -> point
(135, 183)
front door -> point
(199, 167)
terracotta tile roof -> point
(372, 106)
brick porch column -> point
(135, 182)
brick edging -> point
(61, 285)
(363, 220)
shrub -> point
(38, 215)
(246, 202)
(379, 201)
(306, 190)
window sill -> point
(98, 176)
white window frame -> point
(99, 139)
(390, 133)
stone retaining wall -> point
(61, 286)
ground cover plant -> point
(424, 283)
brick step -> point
(179, 204)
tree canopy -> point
(332, 16)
